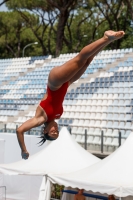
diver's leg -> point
(65, 72)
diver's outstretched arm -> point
(26, 126)
(37, 120)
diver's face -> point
(52, 129)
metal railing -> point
(85, 136)
(102, 139)
(30, 132)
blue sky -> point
(3, 7)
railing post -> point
(119, 138)
(69, 128)
(85, 139)
(5, 128)
(42, 130)
(16, 127)
(102, 141)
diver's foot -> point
(113, 35)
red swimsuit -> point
(52, 105)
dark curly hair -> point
(45, 136)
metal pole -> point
(28, 46)
(102, 141)
(16, 127)
(119, 138)
(85, 139)
(70, 130)
(5, 192)
(42, 130)
(5, 128)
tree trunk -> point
(60, 31)
(129, 3)
(11, 50)
(19, 43)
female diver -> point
(60, 78)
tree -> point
(12, 32)
(62, 9)
(57, 13)
(35, 19)
(116, 14)
(79, 30)
(68, 25)
(130, 7)
(3, 2)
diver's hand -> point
(25, 155)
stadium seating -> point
(100, 103)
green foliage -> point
(14, 34)
(60, 29)
(57, 191)
(26, 4)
